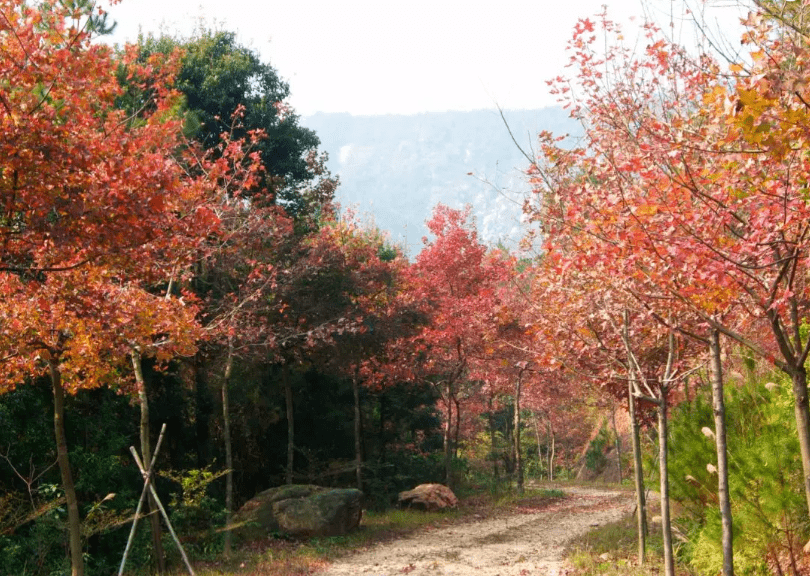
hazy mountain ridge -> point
(395, 168)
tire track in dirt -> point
(513, 544)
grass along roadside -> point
(289, 557)
(612, 550)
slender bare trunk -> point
(798, 379)
(492, 446)
(638, 475)
(793, 351)
(536, 423)
(518, 459)
(458, 426)
(663, 451)
(358, 444)
(447, 430)
(288, 396)
(146, 454)
(226, 430)
(618, 443)
(638, 471)
(72, 503)
(201, 413)
(722, 456)
(382, 428)
(551, 450)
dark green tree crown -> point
(216, 76)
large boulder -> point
(428, 497)
(299, 510)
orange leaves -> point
(97, 209)
(659, 53)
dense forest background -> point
(171, 254)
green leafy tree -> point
(217, 75)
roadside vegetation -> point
(612, 550)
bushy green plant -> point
(765, 476)
(535, 468)
(194, 513)
(595, 459)
(36, 544)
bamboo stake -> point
(163, 513)
(146, 484)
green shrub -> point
(595, 459)
(36, 547)
(195, 514)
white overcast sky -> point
(402, 56)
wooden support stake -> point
(146, 484)
(163, 513)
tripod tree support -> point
(149, 487)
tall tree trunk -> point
(447, 429)
(72, 503)
(793, 351)
(663, 452)
(551, 451)
(146, 455)
(226, 430)
(618, 443)
(536, 423)
(288, 396)
(638, 475)
(509, 448)
(798, 379)
(382, 428)
(518, 459)
(358, 440)
(202, 411)
(719, 408)
(492, 446)
(632, 385)
(458, 426)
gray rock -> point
(299, 510)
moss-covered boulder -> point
(299, 510)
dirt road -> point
(524, 543)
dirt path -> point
(524, 543)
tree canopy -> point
(217, 75)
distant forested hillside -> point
(396, 168)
